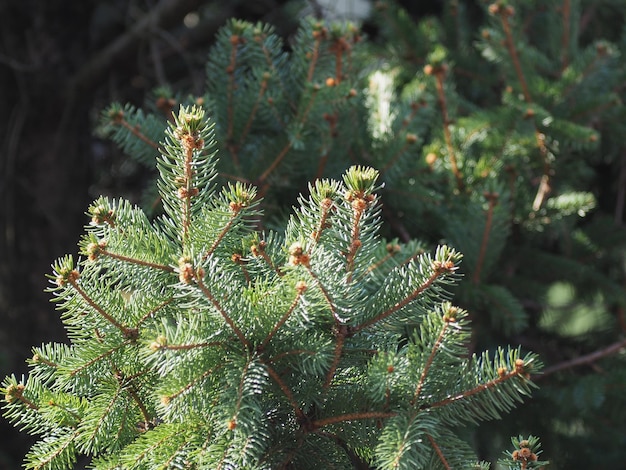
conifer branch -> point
(272, 67)
(339, 46)
(392, 249)
(290, 456)
(340, 330)
(235, 210)
(187, 192)
(154, 310)
(126, 384)
(583, 360)
(235, 40)
(340, 335)
(318, 35)
(77, 418)
(166, 399)
(326, 205)
(279, 158)
(47, 462)
(503, 376)
(492, 199)
(439, 453)
(99, 357)
(207, 293)
(255, 107)
(300, 288)
(112, 400)
(437, 273)
(415, 106)
(358, 463)
(359, 204)
(187, 347)
(326, 295)
(240, 389)
(277, 357)
(241, 262)
(127, 259)
(16, 392)
(300, 416)
(504, 13)
(439, 72)
(259, 250)
(270, 169)
(321, 165)
(429, 362)
(544, 185)
(409, 138)
(74, 283)
(359, 415)
(135, 131)
(39, 359)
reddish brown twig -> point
(493, 201)
(583, 360)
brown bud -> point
(431, 158)
(359, 204)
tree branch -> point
(583, 360)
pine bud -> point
(158, 343)
(14, 392)
(185, 271)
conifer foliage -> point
(497, 127)
(198, 341)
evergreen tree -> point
(197, 341)
(496, 128)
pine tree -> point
(487, 126)
(197, 341)
(496, 128)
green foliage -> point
(197, 341)
(495, 128)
